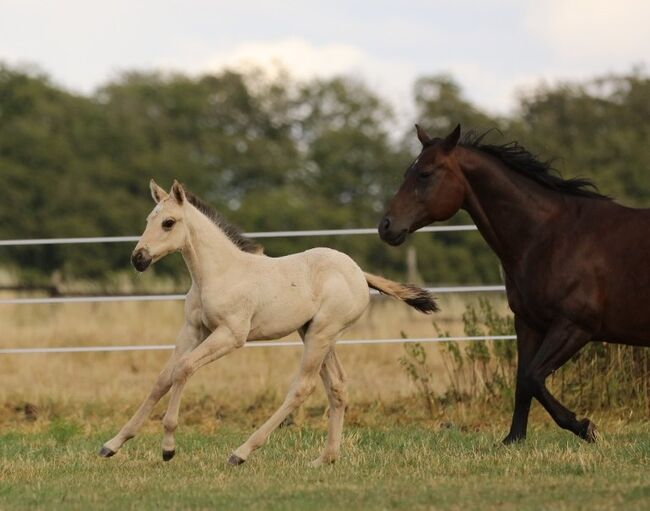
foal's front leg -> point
(219, 343)
(187, 339)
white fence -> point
(269, 234)
(163, 297)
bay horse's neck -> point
(506, 206)
(208, 251)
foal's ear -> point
(157, 193)
(422, 135)
(178, 192)
(452, 139)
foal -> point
(237, 296)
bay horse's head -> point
(165, 231)
(433, 189)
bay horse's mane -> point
(518, 158)
(234, 234)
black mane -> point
(523, 161)
(234, 234)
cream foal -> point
(237, 296)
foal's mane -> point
(234, 234)
(518, 158)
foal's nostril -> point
(140, 259)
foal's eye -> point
(168, 223)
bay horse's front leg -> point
(187, 340)
(528, 343)
(563, 340)
(219, 343)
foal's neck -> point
(208, 252)
(506, 206)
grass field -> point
(57, 410)
(413, 467)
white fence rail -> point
(170, 297)
(176, 297)
(267, 234)
(253, 344)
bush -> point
(600, 376)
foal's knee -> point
(303, 389)
(182, 370)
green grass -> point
(392, 468)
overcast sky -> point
(493, 47)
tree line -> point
(278, 154)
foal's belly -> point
(281, 316)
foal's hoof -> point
(319, 462)
(588, 431)
(235, 460)
(105, 452)
(168, 455)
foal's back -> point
(289, 291)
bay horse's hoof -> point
(513, 439)
(168, 455)
(588, 431)
(105, 452)
(235, 460)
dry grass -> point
(113, 383)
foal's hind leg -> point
(334, 379)
(562, 341)
(317, 346)
(187, 339)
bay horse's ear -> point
(452, 139)
(422, 135)
(178, 192)
(157, 193)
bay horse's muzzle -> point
(389, 234)
(141, 259)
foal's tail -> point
(416, 297)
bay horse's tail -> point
(416, 297)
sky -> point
(496, 49)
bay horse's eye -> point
(168, 223)
(425, 173)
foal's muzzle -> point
(141, 259)
(389, 234)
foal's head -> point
(433, 189)
(166, 231)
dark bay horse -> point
(576, 263)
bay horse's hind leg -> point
(335, 382)
(562, 341)
(528, 343)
